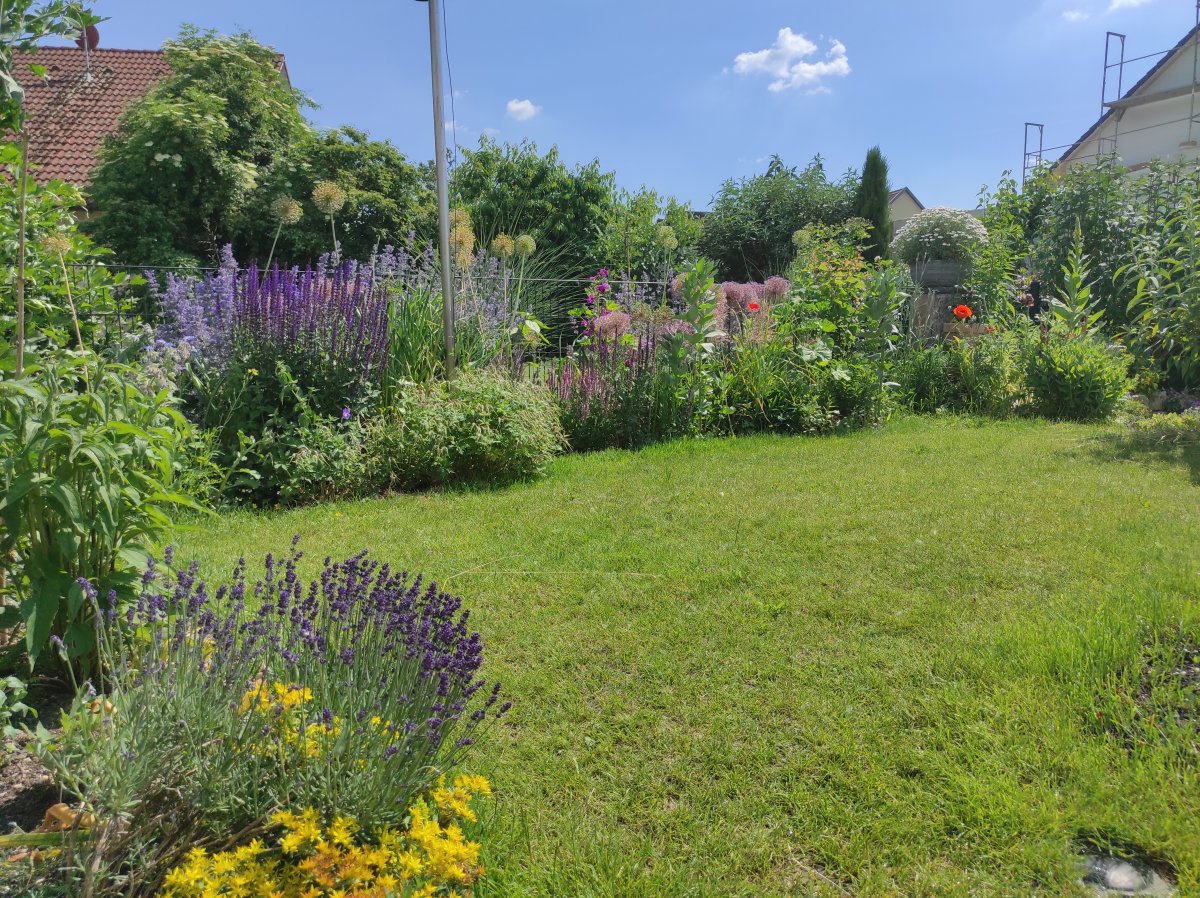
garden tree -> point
(646, 234)
(387, 198)
(749, 231)
(515, 190)
(176, 179)
(871, 204)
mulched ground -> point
(26, 788)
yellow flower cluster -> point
(430, 858)
(283, 706)
(456, 801)
(279, 697)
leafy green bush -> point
(65, 305)
(770, 387)
(1170, 429)
(749, 231)
(923, 376)
(327, 461)
(482, 427)
(986, 374)
(852, 392)
(87, 472)
(1165, 307)
(1079, 379)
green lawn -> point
(891, 663)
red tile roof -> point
(69, 114)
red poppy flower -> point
(962, 313)
(754, 307)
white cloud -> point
(1076, 15)
(1125, 4)
(522, 110)
(785, 61)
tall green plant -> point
(1073, 309)
(1165, 307)
(871, 204)
(87, 467)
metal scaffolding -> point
(1114, 103)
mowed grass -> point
(867, 665)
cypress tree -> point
(871, 203)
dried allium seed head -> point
(286, 210)
(503, 246)
(57, 244)
(328, 198)
(462, 240)
(525, 245)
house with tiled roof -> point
(79, 102)
(1157, 118)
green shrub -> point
(923, 376)
(1078, 379)
(327, 463)
(771, 388)
(87, 472)
(852, 393)
(1170, 429)
(985, 374)
(482, 427)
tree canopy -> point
(749, 231)
(200, 160)
(513, 189)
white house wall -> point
(1154, 130)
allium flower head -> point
(666, 238)
(612, 325)
(328, 198)
(57, 243)
(776, 287)
(525, 246)
(286, 210)
(503, 246)
(462, 235)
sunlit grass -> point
(869, 665)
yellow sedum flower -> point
(429, 859)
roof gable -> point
(896, 194)
(1143, 84)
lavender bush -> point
(348, 694)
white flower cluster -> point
(948, 235)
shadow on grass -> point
(1134, 447)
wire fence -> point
(127, 305)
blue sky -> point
(682, 94)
